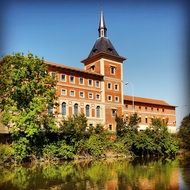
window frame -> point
(70, 93)
(73, 82)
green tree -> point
(26, 90)
(184, 132)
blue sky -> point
(151, 35)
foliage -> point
(127, 124)
(26, 89)
(155, 140)
(6, 153)
(73, 129)
(184, 132)
(58, 150)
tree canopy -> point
(26, 90)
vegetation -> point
(26, 93)
(184, 133)
(155, 140)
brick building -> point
(97, 90)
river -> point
(139, 174)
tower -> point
(105, 60)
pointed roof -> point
(103, 45)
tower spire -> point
(102, 26)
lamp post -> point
(133, 98)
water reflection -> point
(110, 175)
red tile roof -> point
(146, 100)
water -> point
(99, 175)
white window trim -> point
(62, 79)
(82, 79)
(88, 82)
(116, 97)
(99, 96)
(110, 87)
(117, 87)
(70, 79)
(65, 92)
(89, 95)
(114, 69)
(83, 94)
(97, 86)
(70, 93)
(108, 98)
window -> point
(146, 120)
(109, 86)
(126, 105)
(116, 99)
(110, 127)
(97, 96)
(112, 70)
(63, 92)
(152, 108)
(146, 108)
(162, 109)
(139, 107)
(90, 83)
(116, 87)
(97, 84)
(72, 93)
(63, 77)
(81, 81)
(63, 108)
(90, 95)
(81, 94)
(109, 98)
(50, 109)
(72, 79)
(92, 68)
(114, 112)
(140, 119)
(98, 111)
(157, 109)
(76, 109)
(87, 109)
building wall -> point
(148, 111)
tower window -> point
(92, 68)
(116, 87)
(110, 127)
(146, 120)
(114, 112)
(109, 86)
(116, 98)
(112, 70)
(109, 98)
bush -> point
(59, 150)
(21, 149)
(6, 153)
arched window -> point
(98, 111)
(63, 108)
(76, 109)
(87, 111)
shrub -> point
(6, 153)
